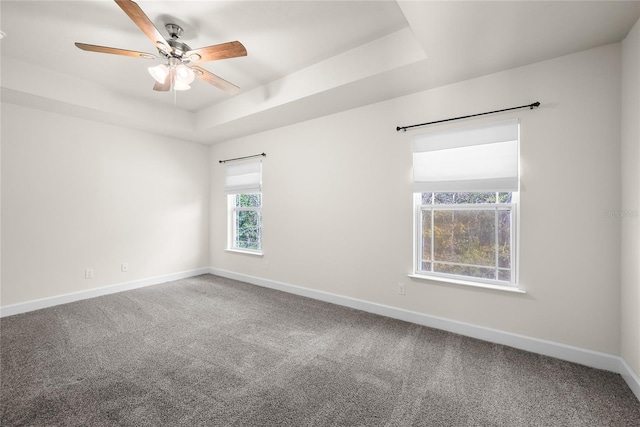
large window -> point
(466, 185)
(246, 217)
(469, 235)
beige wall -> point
(338, 203)
(630, 219)
(78, 194)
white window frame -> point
(232, 231)
(461, 279)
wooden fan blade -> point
(218, 82)
(219, 51)
(114, 51)
(143, 22)
(163, 87)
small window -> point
(243, 185)
(246, 221)
(467, 236)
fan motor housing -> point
(179, 48)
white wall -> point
(338, 203)
(630, 219)
(78, 194)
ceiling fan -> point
(177, 73)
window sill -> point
(469, 283)
(240, 251)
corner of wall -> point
(629, 213)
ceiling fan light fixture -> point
(184, 74)
(159, 73)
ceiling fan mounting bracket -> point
(174, 30)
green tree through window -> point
(247, 221)
(467, 234)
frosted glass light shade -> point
(184, 74)
(159, 73)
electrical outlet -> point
(401, 288)
(124, 267)
(88, 273)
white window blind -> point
(244, 177)
(481, 158)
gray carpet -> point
(209, 351)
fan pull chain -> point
(173, 88)
(175, 92)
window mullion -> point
(433, 238)
(420, 213)
(236, 221)
(497, 237)
(512, 245)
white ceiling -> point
(305, 58)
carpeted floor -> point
(209, 351)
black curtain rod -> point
(530, 106)
(242, 158)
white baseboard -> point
(594, 359)
(24, 307)
(631, 377)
